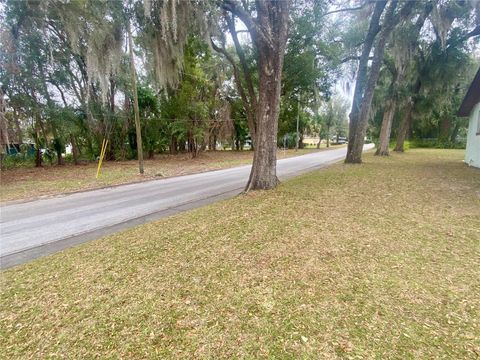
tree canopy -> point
(238, 74)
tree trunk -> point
(319, 141)
(354, 131)
(250, 101)
(173, 145)
(273, 23)
(407, 117)
(453, 136)
(328, 136)
(59, 157)
(386, 129)
(38, 157)
(4, 140)
(37, 128)
(181, 146)
(445, 125)
(38, 151)
(90, 147)
(112, 94)
(18, 128)
(264, 169)
(404, 127)
(138, 129)
(269, 33)
(359, 120)
(74, 150)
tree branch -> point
(250, 110)
(473, 33)
(352, 57)
(255, 30)
(346, 9)
(373, 29)
(243, 60)
(236, 72)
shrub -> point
(17, 160)
(436, 144)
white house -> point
(471, 107)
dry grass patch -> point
(29, 183)
(373, 261)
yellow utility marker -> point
(102, 155)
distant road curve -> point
(41, 227)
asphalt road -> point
(41, 227)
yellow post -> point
(102, 154)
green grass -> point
(429, 143)
(378, 261)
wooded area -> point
(158, 76)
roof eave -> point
(472, 97)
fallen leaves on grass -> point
(372, 261)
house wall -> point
(472, 153)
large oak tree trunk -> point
(404, 126)
(359, 131)
(362, 105)
(355, 138)
(407, 117)
(386, 128)
(269, 33)
(264, 169)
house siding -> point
(472, 152)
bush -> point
(436, 144)
(429, 143)
(68, 158)
(291, 141)
(17, 160)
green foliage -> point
(240, 124)
(437, 70)
(66, 76)
(17, 160)
(310, 69)
(436, 144)
(334, 117)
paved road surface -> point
(37, 228)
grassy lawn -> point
(28, 183)
(378, 261)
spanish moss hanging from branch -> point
(168, 24)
